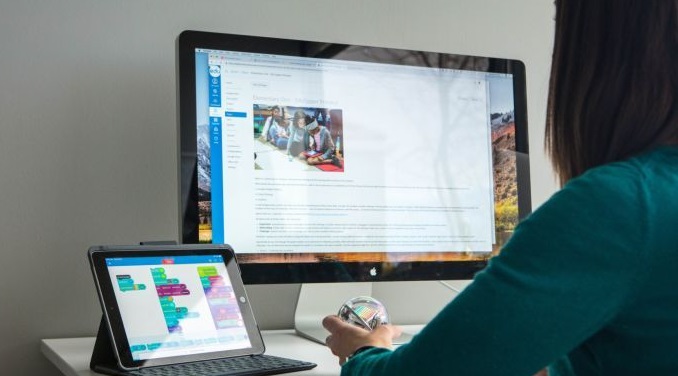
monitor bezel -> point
(318, 272)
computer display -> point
(326, 162)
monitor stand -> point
(317, 300)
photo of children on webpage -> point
(307, 138)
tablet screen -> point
(177, 305)
(174, 305)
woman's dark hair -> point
(614, 82)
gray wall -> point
(87, 129)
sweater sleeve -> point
(564, 274)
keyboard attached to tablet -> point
(178, 310)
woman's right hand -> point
(345, 339)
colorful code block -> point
(167, 289)
(221, 299)
(126, 283)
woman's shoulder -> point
(635, 184)
(659, 163)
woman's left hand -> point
(345, 339)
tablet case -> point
(103, 355)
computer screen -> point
(321, 162)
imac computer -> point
(323, 162)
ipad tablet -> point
(173, 304)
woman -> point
(587, 284)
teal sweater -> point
(588, 284)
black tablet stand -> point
(103, 356)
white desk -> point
(71, 355)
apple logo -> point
(373, 271)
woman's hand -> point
(345, 339)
